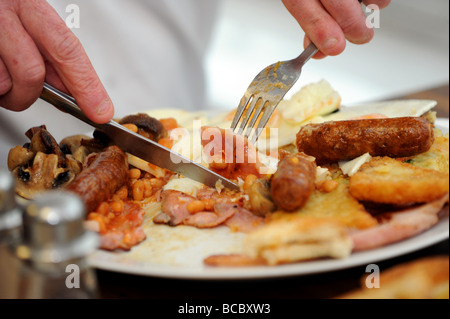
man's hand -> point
(328, 23)
(36, 45)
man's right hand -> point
(329, 23)
(37, 46)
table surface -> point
(319, 286)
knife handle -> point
(65, 103)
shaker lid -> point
(53, 229)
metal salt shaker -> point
(54, 247)
(10, 225)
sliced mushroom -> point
(73, 164)
(74, 145)
(43, 141)
(43, 164)
(98, 143)
(44, 174)
(147, 126)
(260, 199)
(19, 156)
(34, 130)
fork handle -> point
(307, 54)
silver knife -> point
(136, 144)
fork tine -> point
(248, 114)
(241, 108)
(259, 109)
(265, 92)
(264, 119)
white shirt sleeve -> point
(148, 53)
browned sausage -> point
(102, 178)
(345, 140)
(293, 182)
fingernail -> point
(330, 43)
(104, 107)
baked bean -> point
(116, 206)
(166, 142)
(327, 186)
(156, 183)
(169, 123)
(131, 127)
(134, 173)
(121, 194)
(195, 206)
(100, 221)
(148, 189)
(138, 190)
(102, 209)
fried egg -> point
(390, 109)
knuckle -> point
(316, 21)
(88, 84)
(356, 31)
(68, 48)
(34, 74)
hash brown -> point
(294, 239)
(389, 181)
(337, 204)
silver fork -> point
(265, 92)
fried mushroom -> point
(19, 156)
(43, 141)
(260, 199)
(74, 145)
(42, 164)
(147, 126)
(44, 174)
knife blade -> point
(136, 144)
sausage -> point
(102, 178)
(345, 140)
(293, 182)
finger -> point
(381, 4)
(318, 25)
(65, 53)
(5, 79)
(350, 17)
(319, 55)
(23, 62)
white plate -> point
(178, 252)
